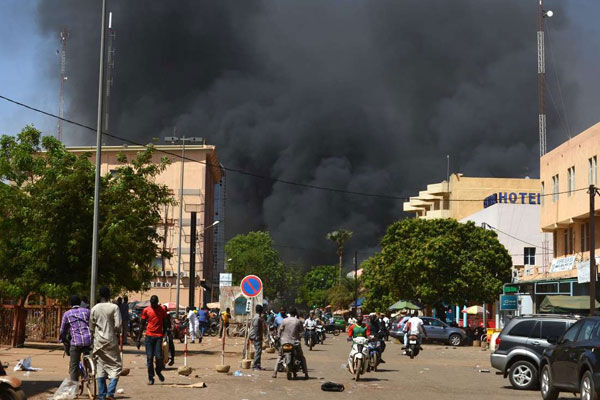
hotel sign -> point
(512, 198)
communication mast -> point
(541, 55)
(110, 64)
(64, 34)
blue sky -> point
(22, 77)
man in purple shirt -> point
(75, 330)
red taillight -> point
(498, 341)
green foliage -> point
(434, 261)
(340, 296)
(315, 285)
(254, 254)
(46, 214)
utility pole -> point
(192, 290)
(355, 279)
(593, 271)
(94, 272)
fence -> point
(42, 324)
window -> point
(585, 237)
(435, 322)
(552, 329)
(543, 193)
(586, 330)
(555, 243)
(571, 334)
(570, 180)
(523, 328)
(529, 258)
(565, 241)
(555, 186)
(571, 241)
(592, 171)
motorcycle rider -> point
(309, 322)
(290, 331)
(414, 326)
(358, 329)
(378, 330)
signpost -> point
(251, 287)
(509, 302)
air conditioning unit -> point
(167, 284)
(184, 274)
(160, 273)
(169, 273)
(158, 284)
(152, 284)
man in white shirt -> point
(309, 322)
(414, 326)
(193, 325)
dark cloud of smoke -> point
(366, 96)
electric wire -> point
(239, 170)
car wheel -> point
(587, 388)
(523, 375)
(549, 392)
(455, 339)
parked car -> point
(572, 363)
(436, 331)
(520, 345)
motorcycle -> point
(357, 363)
(311, 337)
(273, 338)
(374, 353)
(321, 334)
(333, 329)
(179, 329)
(134, 326)
(10, 387)
(413, 346)
(290, 361)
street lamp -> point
(182, 140)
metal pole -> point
(355, 279)
(180, 226)
(94, 272)
(192, 285)
(592, 251)
(541, 55)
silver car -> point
(435, 329)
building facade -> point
(463, 196)
(201, 177)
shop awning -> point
(565, 304)
(405, 304)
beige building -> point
(201, 174)
(464, 196)
(566, 173)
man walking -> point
(203, 321)
(169, 336)
(105, 328)
(124, 308)
(256, 335)
(153, 320)
(192, 323)
(290, 332)
(75, 331)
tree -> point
(46, 213)
(342, 294)
(254, 254)
(315, 285)
(434, 261)
(340, 237)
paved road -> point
(439, 372)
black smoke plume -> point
(366, 96)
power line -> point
(514, 237)
(242, 171)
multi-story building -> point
(566, 173)
(202, 175)
(464, 196)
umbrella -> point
(171, 305)
(473, 310)
(405, 304)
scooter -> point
(374, 353)
(358, 357)
(413, 346)
(10, 387)
(290, 361)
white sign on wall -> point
(562, 264)
(583, 270)
(225, 279)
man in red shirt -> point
(153, 320)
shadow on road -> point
(33, 388)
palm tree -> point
(340, 237)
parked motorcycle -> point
(358, 357)
(290, 361)
(10, 387)
(179, 329)
(413, 346)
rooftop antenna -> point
(64, 34)
(541, 55)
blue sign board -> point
(512, 198)
(508, 302)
